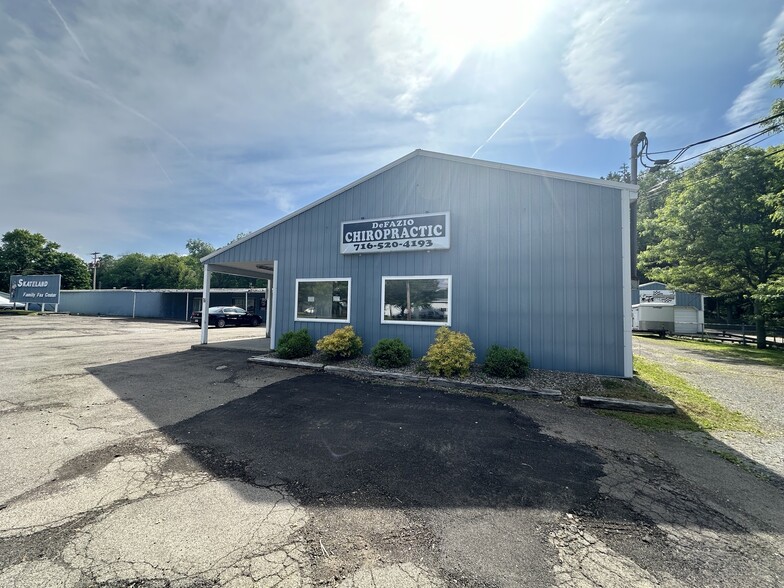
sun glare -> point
(457, 27)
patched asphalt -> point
(131, 460)
(328, 437)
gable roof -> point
(432, 154)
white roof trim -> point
(504, 166)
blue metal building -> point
(509, 255)
(157, 304)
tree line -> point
(24, 252)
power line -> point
(656, 190)
(743, 128)
(734, 144)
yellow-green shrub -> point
(451, 353)
(341, 344)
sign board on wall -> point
(657, 297)
(35, 289)
(413, 232)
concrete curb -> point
(497, 388)
(414, 379)
(336, 369)
(626, 405)
(286, 362)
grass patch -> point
(655, 422)
(17, 312)
(773, 357)
(634, 389)
(704, 411)
(730, 457)
(695, 410)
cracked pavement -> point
(131, 460)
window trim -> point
(323, 320)
(447, 323)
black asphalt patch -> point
(334, 439)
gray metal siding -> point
(519, 245)
(149, 304)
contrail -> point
(158, 161)
(501, 126)
(67, 28)
(112, 98)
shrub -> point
(505, 362)
(295, 344)
(451, 353)
(390, 353)
(341, 344)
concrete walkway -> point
(256, 342)
(255, 346)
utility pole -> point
(95, 265)
(635, 155)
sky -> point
(133, 126)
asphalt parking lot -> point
(131, 460)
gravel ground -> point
(754, 389)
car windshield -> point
(235, 310)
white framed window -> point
(416, 300)
(197, 304)
(325, 300)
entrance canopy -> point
(262, 269)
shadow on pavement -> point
(339, 442)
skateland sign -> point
(413, 232)
(35, 289)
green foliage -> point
(451, 353)
(390, 353)
(341, 344)
(505, 362)
(294, 344)
(23, 252)
(716, 232)
(623, 174)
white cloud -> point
(754, 100)
(606, 82)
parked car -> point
(6, 304)
(220, 316)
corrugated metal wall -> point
(149, 303)
(536, 262)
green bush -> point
(341, 344)
(451, 353)
(390, 353)
(295, 344)
(505, 362)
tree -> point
(23, 252)
(716, 232)
(778, 104)
(622, 175)
(198, 248)
(75, 275)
